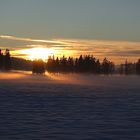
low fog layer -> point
(64, 82)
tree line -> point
(81, 64)
(89, 64)
(130, 68)
(5, 60)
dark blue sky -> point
(82, 19)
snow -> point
(69, 106)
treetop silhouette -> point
(81, 64)
(5, 60)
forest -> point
(82, 64)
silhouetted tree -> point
(129, 68)
(98, 66)
(1, 59)
(7, 62)
(81, 64)
(38, 66)
(107, 66)
(63, 64)
(138, 67)
(121, 69)
(70, 64)
(126, 67)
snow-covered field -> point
(69, 107)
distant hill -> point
(21, 64)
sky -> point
(102, 27)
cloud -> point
(29, 39)
(99, 48)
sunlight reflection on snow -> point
(9, 75)
(94, 81)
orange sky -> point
(28, 48)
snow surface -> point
(69, 106)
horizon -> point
(29, 48)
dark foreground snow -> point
(69, 107)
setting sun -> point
(38, 53)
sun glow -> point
(38, 53)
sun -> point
(38, 53)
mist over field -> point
(69, 106)
(72, 79)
